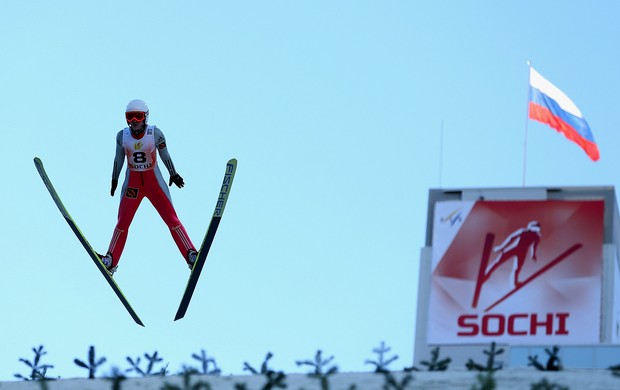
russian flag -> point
(549, 105)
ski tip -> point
(37, 160)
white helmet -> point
(533, 225)
(138, 105)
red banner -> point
(519, 272)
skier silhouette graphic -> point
(517, 245)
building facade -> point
(525, 268)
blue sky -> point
(334, 112)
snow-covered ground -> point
(506, 380)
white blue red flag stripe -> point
(549, 105)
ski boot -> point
(107, 263)
(192, 254)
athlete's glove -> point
(176, 179)
(114, 184)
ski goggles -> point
(135, 116)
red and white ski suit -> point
(143, 179)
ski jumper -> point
(143, 179)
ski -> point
(93, 255)
(229, 175)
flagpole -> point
(440, 153)
(527, 120)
